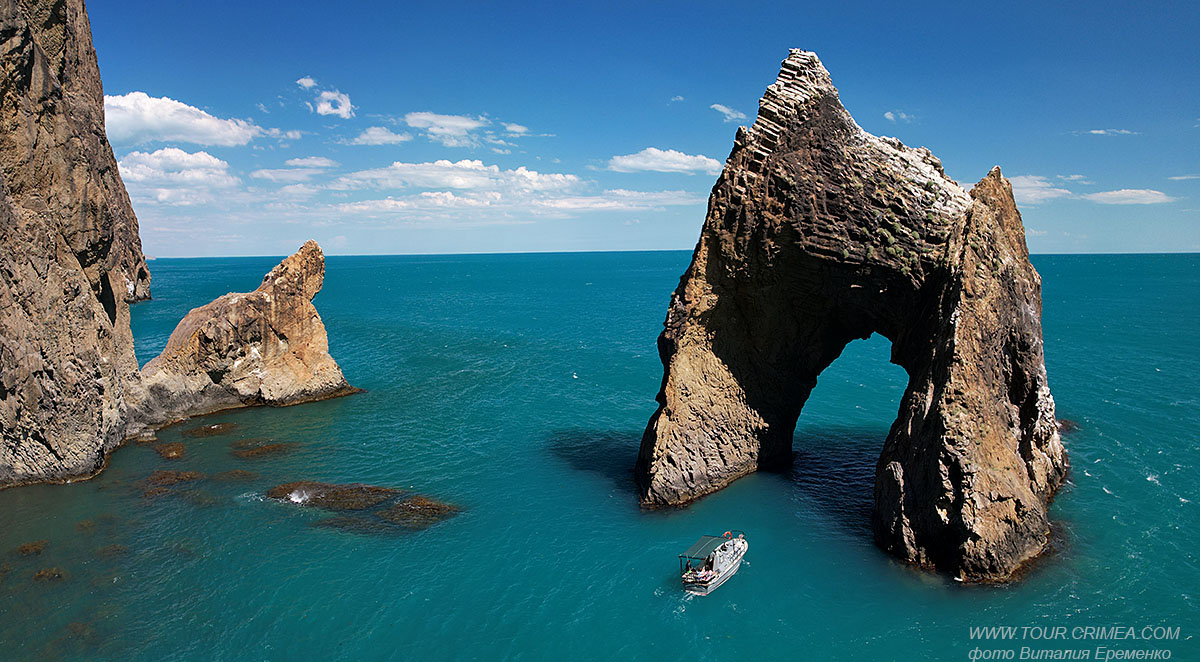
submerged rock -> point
(70, 256)
(210, 430)
(50, 575)
(1067, 426)
(234, 475)
(32, 548)
(418, 512)
(157, 483)
(170, 451)
(111, 551)
(267, 347)
(817, 234)
(354, 496)
(249, 449)
(355, 524)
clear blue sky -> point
(245, 128)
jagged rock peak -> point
(301, 274)
(819, 233)
(267, 347)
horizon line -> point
(569, 251)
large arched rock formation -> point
(819, 233)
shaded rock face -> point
(70, 256)
(818, 234)
(267, 347)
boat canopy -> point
(703, 547)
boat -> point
(712, 561)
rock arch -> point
(819, 233)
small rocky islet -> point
(365, 508)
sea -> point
(517, 387)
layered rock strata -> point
(267, 347)
(817, 234)
(70, 256)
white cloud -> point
(137, 118)
(1034, 189)
(897, 116)
(622, 200)
(1182, 178)
(378, 135)
(516, 129)
(447, 203)
(469, 190)
(307, 82)
(289, 175)
(450, 130)
(298, 190)
(333, 102)
(1130, 196)
(1112, 132)
(456, 175)
(172, 176)
(1078, 179)
(730, 114)
(290, 135)
(677, 97)
(312, 162)
(669, 160)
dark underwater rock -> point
(251, 449)
(111, 551)
(31, 548)
(170, 451)
(54, 574)
(329, 496)
(159, 482)
(234, 476)
(210, 430)
(355, 524)
(418, 512)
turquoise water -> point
(517, 387)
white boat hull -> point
(704, 588)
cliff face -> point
(819, 233)
(70, 257)
(71, 260)
(267, 347)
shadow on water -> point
(604, 452)
(833, 470)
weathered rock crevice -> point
(818, 234)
